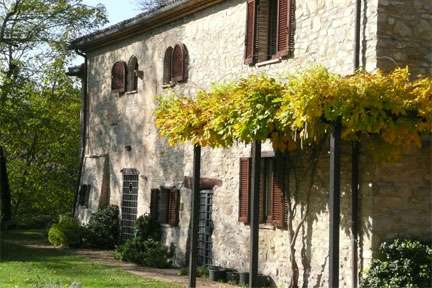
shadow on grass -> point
(26, 260)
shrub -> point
(103, 228)
(148, 253)
(56, 236)
(147, 228)
(67, 232)
(401, 263)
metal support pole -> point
(254, 213)
(195, 215)
(354, 210)
(334, 205)
(354, 163)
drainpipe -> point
(83, 77)
(355, 160)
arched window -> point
(179, 63)
(167, 66)
(118, 77)
(132, 74)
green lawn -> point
(39, 267)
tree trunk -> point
(6, 206)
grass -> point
(45, 267)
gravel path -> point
(166, 275)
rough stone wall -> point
(405, 35)
(215, 41)
(402, 196)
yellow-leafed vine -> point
(299, 109)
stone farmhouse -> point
(189, 44)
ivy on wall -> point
(391, 109)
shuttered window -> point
(244, 190)
(268, 30)
(179, 61)
(167, 66)
(173, 207)
(250, 33)
(118, 77)
(272, 200)
(280, 178)
(175, 64)
(164, 205)
(84, 195)
(132, 74)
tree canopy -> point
(149, 5)
(39, 104)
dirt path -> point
(166, 275)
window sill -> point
(269, 62)
(266, 226)
(166, 86)
(131, 92)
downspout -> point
(84, 126)
(355, 160)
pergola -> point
(389, 106)
(334, 208)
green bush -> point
(56, 236)
(148, 253)
(147, 228)
(67, 232)
(401, 263)
(103, 229)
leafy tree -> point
(149, 5)
(39, 104)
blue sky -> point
(117, 10)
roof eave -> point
(140, 24)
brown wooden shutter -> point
(154, 204)
(262, 31)
(179, 61)
(163, 205)
(173, 207)
(132, 74)
(167, 65)
(283, 31)
(278, 199)
(118, 77)
(244, 190)
(250, 33)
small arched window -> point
(118, 77)
(167, 66)
(132, 74)
(179, 63)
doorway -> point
(205, 230)
(129, 203)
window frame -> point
(122, 78)
(271, 183)
(84, 195)
(175, 65)
(132, 75)
(165, 210)
(254, 37)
